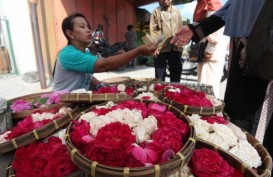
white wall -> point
(18, 14)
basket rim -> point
(186, 151)
(38, 133)
(187, 109)
(90, 97)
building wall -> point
(114, 15)
(18, 15)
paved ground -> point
(14, 86)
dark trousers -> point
(173, 59)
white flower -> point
(214, 101)
(88, 116)
(64, 110)
(145, 129)
(237, 131)
(4, 136)
(59, 134)
(43, 116)
(108, 105)
(126, 116)
(247, 153)
(147, 94)
(200, 125)
(174, 90)
(225, 133)
(97, 123)
(152, 87)
(215, 139)
(121, 87)
(81, 91)
(142, 89)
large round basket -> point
(189, 109)
(91, 97)
(23, 114)
(39, 133)
(160, 170)
(28, 98)
(263, 171)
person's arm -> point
(206, 27)
(117, 61)
(197, 30)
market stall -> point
(129, 128)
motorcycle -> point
(101, 48)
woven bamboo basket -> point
(141, 82)
(117, 80)
(91, 97)
(160, 170)
(187, 109)
(28, 98)
(263, 171)
(39, 133)
(23, 114)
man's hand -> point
(182, 37)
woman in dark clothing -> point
(244, 22)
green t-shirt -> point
(74, 69)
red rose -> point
(215, 119)
(168, 119)
(80, 135)
(208, 163)
(116, 134)
(169, 138)
(105, 154)
(60, 165)
(101, 111)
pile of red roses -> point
(209, 163)
(115, 143)
(187, 96)
(27, 124)
(113, 89)
(43, 159)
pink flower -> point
(21, 105)
(80, 135)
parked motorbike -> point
(101, 48)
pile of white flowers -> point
(142, 128)
(229, 137)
